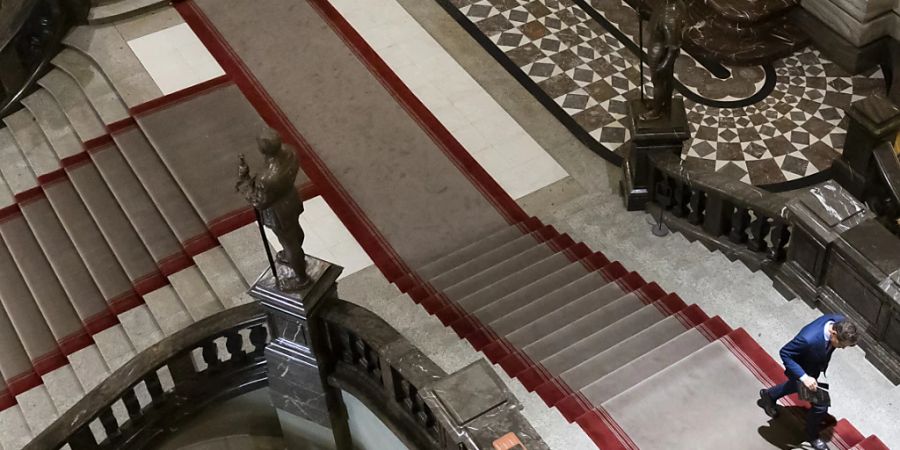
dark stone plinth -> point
(295, 381)
(873, 121)
(838, 49)
(479, 405)
(819, 216)
(666, 134)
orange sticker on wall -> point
(509, 441)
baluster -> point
(234, 343)
(780, 235)
(83, 439)
(210, 354)
(343, 339)
(259, 334)
(718, 213)
(154, 387)
(132, 404)
(739, 222)
(359, 352)
(698, 203)
(681, 197)
(109, 422)
(759, 228)
(663, 193)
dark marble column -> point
(666, 134)
(873, 121)
(297, 384)
(476, 403)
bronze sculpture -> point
(273, 194)
(666, 34)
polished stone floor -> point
(764, 125)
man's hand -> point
(809, 382)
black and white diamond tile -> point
(792, 133)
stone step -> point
(74, 104)
(502, 287)
(547, 304)
(98, 90)
(467, 253)
(513, 264)
(611, 299)
(626, 376)
(594, 366)
(106, 47)
(491, 258)
(109, 12)
(17, 175)
(244, 248)
(871, 443)
(31, 143)
(53, 123)
(14, 431)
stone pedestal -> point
(297, 387)
(873, 121)
(476, 402)
(666, 134)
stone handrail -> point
(742, 221)
(31, 32)
(199, 375)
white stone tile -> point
(14, 431)
(167, 309)
(221, 274)
(63, 386)
(89, 366)
(175, 58)
(37, 408)
(115, 346)
(141, 327)
(199, 299)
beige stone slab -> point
(106, 47)
(37, 408)
(53, 123)
(141, 327)
(167, 309)
(75, 105)
(222, 276)
(31, 142)
(198, 297)
(96, 87)
(13, 166)
(14, 431)
(89, 366)
(63, 386)
(115, 346)
(245, 248)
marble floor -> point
(766, 125)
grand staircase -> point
(633, 365)
(105, 246)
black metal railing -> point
(210, 361)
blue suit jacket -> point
(809, 352)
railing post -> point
(873, 120)
(666, 134)
(300, 360)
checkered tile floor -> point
(794, 132)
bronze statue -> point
(273, 194)
(666, 33)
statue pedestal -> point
(302, 398)
(665, 134)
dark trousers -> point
(814, 416)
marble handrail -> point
(173, 352)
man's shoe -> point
(767, 404)
(818, 444)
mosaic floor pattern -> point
(767, 126)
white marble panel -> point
(175, 58)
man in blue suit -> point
(805, 357)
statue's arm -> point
(673, 48)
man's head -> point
(844, 334)
(269, 142)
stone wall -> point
(855, 30)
